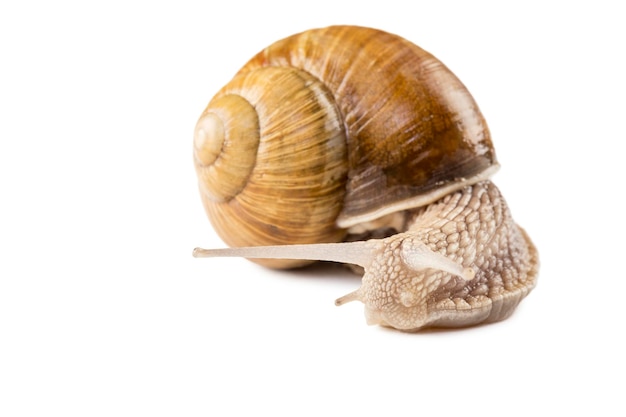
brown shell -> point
(393, 129)
(279, 175)
(414, 132)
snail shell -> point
(347, 131)
(332, 128)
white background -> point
(104, 312)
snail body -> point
(348, 133)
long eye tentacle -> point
(358, 253)
(418, 256)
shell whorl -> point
(278, 177)
(414, 131)
(339, 126)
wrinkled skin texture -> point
(472, 227)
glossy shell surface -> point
(330, 128)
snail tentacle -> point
(345, 133)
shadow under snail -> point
(353, 145)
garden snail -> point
(353, 145)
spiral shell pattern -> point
(286, 188)
(332, 127)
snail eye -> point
(342, 144)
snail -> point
(354, 145)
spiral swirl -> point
(270, 154)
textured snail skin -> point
(461, 261)
(472, 226)
(350, 133)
